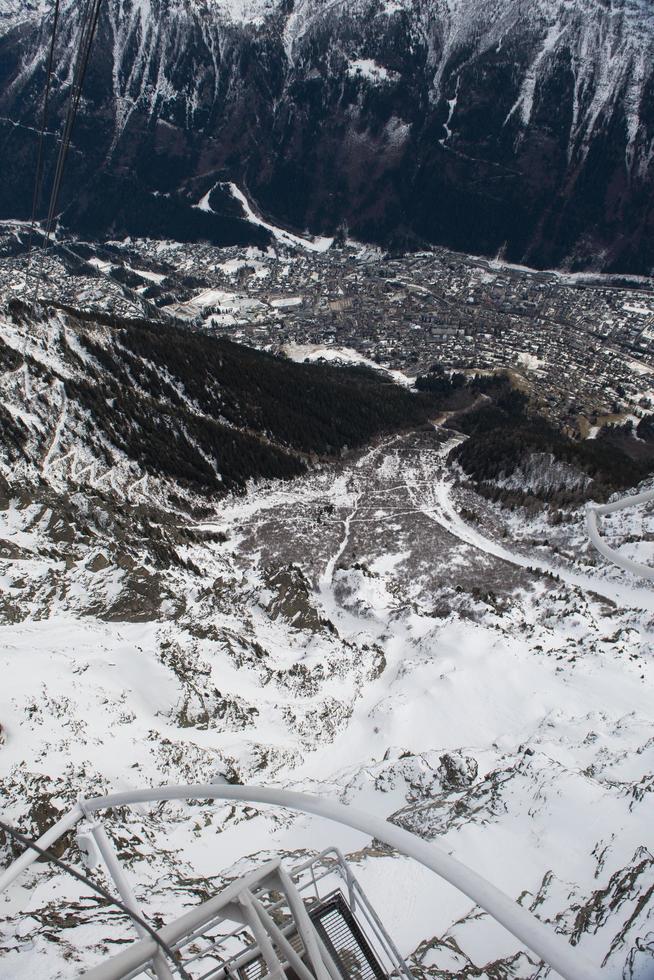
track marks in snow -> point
(360, 492)
(59, 428)
(327, 577)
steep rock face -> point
(481, 125)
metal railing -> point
(552, 948)
(593, 511)
(226, 934)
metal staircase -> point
(312, 923)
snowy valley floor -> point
(374, 633)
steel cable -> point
(88, 25)
(38, 178)
(44, 852)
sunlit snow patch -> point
(341, 355)
(314, 244)
(369, 69)
(244, 11)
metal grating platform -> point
(345, 940)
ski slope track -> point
(436, 502)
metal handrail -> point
(594, 510)
(140, 953)
(356, 897)
(552, 948)
(244, 956)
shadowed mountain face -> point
(480, 125)
(228, 427)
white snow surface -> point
(369, 69)
(342, 355)
(243, 11)
(354, 633)
(287, 238)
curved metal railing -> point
(539, 938)
(593, 511)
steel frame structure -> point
(262, 919)
(552, 948)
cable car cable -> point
(38, 179)
(88, 27)
(86, 880)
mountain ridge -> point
(200, 411)
(481, 126)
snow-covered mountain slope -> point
(197, 410)
(20, 12)
(479, 124)
(370, 630)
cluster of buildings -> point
(583, 345)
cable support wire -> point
(38, 178)
(88, 25)
(86, 880)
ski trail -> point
(26, 379)
(327, 577)
(54, 445)
(142, 490)
(442, 511)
